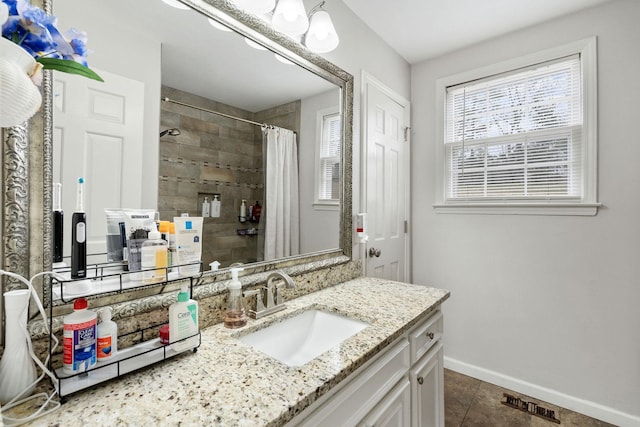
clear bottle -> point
(154, 258)
(172, 256)
(235, 316)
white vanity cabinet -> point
(402, 386)
(427, 373)
(394, 410)
(427, 390)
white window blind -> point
(517, 135)
(329, 159)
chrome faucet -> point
(274, 301)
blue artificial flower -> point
(37, 33)
(12, 4)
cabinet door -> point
(427, 389)
(393, 410)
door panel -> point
(97, 132)
(386, 186)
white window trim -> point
(322, 204)
(589, 204)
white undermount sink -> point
(302, 338)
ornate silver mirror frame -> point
(27, 155)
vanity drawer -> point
(425, 335)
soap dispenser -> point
(235, 317)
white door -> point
(387, 182)
(97, 133)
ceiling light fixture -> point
(322, 36)
(290, 17)
(257, 7)
(316, 29)
(218, 26)
(176, 4)
(254, 44)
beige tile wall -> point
(215, 155)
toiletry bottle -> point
(107, 335)
(134, 246)
(163, 228)
(79, 338)
(153, 258)
(257, 211)
(58, 223)
(235, 316)
(183, 322)
(172, 257)
(215, 207)
(206, 207)
(243, 211)
(125, 249)
(79, 236)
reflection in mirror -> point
(136, 151)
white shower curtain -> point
(282, 222)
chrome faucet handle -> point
(269, 291)
(259, 298)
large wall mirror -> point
(163, 132)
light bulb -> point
(176, 4)
(290, 17)
(254, 44)
(218, 26)
(322, 36)
(257, 7)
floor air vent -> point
(530, 408)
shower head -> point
(172, 132)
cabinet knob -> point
(420, 380)
(430, 335)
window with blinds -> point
(516, 135)
(329, 159)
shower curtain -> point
(282, 223)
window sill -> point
(326, 206)
(560, 209)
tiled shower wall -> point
(215, 155)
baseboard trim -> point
(591, 409)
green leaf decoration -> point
(67, 66)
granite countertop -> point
(229, 383)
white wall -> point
(546, 305)
(361, 49)
(319, 225)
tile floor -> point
(470, 402)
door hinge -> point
(406, 133)
(406, 226)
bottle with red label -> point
(79, 351)
(107, 335)
(257, 211)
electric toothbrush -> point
(58, 223)
(79, 236)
